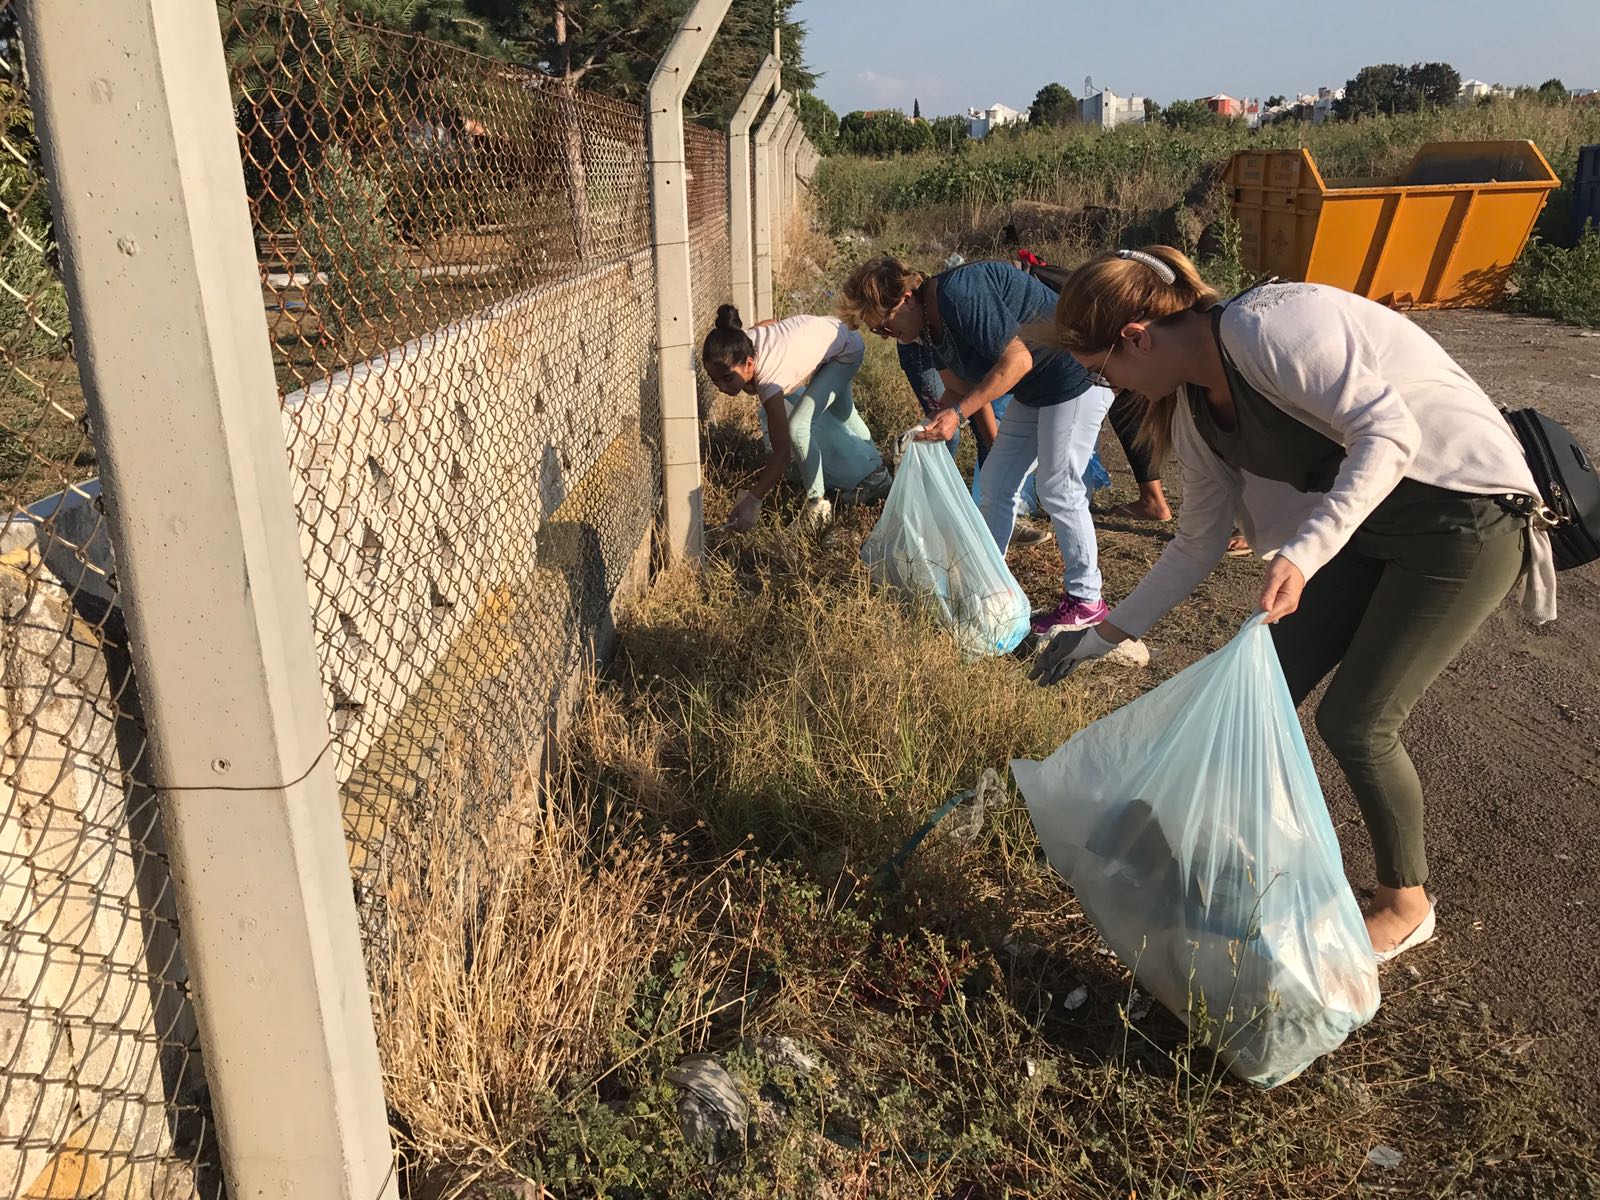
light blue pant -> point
(833, 449)
(1029, 499)
(1059, 441)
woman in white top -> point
(1415, 528)
(801, 368)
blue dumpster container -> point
(1586, 191)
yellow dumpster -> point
(1444, 235)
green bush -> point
(1152, 165)
(349, 235)
(33, 304)
(36, 325)
(1561, 282)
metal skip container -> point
(1443, 235)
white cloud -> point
(883, 90)
(873, 90)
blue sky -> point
(952, 54)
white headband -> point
(1151, 261)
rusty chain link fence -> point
(457, 281)
(710, 267)
(102, 1093)
(456, 266)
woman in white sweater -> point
(801, 369)
(1415, 523)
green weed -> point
(1560, 282)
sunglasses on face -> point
(1098, 378)
(882, 328)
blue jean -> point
(832, 447)
(1059, 441)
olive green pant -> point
(1390, 611)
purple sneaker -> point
(1070, 614)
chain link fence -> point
(458, 284)
(456, 267)
(710, 262)
(101, 1089)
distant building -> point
(1108, 110)
(1325, 106)
(1474, 90)
(1284, 111)
(1223, 105)
(1307, 106)
(981, 120)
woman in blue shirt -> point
(971, 318)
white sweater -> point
(1370, 380)
(789, 352)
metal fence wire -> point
(101, 1092)
(458, 286)
(456, 268)
(710, 262)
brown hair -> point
(873, 289)
(1107, 292)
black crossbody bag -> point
(1566, 479)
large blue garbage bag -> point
(1192, 828)
(931, 543)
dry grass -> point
(520, 926)
(778, 707)
(807, 248)
(821, 718)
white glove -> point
(746, 511)
(1067, 650)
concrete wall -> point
(425, 478)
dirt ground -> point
(1507, 743)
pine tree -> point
(916, 109)
(612, 46)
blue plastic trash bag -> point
(1096, 476)
(1191, 826)
(931, 543)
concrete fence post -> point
(741, 234)
(669, 215)
(137, 129)
(780, 190)
(791, 179)
(766, 202)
